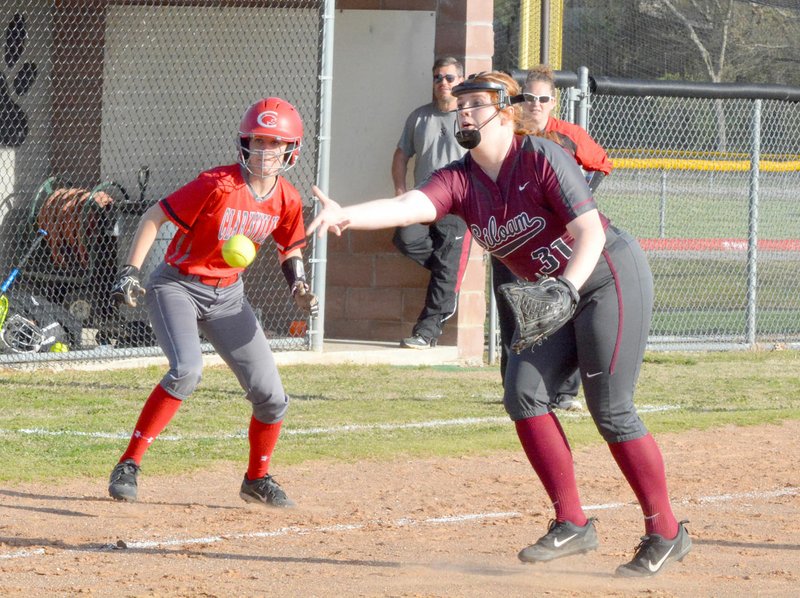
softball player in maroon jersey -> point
(526, 201)
(540, 83)
(195, 290)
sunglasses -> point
(529, 97)
(440, 78)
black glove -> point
(128, 290)
(540, 308)
(304, 298)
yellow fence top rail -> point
(718, 165)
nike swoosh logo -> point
(559, 544)
(593, 375)
(459, 238)
(522, 187)
(653, 568)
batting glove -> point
(128, 289)
(304, 298)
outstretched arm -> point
(409, 208)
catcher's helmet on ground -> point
(276, 118)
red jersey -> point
(521, 218)
(219, 204)
(580, 144)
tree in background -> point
(697, 40)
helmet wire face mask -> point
(470, 138)
(270, 118)
(265, 163)
(21, 335)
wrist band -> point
(293, 270)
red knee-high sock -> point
(157, 412)
(263, 438)
(548, 451)
(643, 466)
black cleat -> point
(562, 539)
(123, 483)
(654, 553)
(265, 491)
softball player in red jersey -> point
(195, 290)
(525, 200)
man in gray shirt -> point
(443, 246)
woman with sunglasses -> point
(525, 201)
(540, 84)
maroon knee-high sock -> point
(548, 451)
(157, 412)
(643, 466)
(263, 438)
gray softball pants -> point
(180, 307)
(605, 339)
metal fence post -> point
(662, 208)
(320, 256)
(583, 104)
(493, 315)
(752, 236)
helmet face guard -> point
(22, 335)
(275, 118)
(470, 138)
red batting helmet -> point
(272, 117)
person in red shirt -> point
(593, 159)
(194, 290)
(540, 83)
(526, 201)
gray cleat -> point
(123, 483)
(265, 491)
(654, 553)
(563, 538)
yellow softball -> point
(239, 251)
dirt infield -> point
(447, 527)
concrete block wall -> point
(373, 292)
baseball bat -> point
(40, 234)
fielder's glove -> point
(128, 290)
(540, 308)
(304, 298)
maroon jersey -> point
(521, 218)
(219, 204)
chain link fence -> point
(107, 107)
(706, 183)
(708, 186)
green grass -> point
(705, 294)
(712, 323)
(699, 204)
(70, 410)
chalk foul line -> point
(401, 522)
(345, 429)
